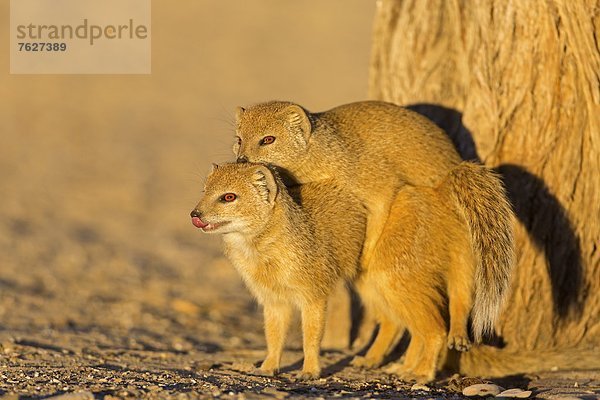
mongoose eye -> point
(267, 140)
(239, 140)
(228, 197)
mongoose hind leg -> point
(422, 357)
(277, 320)
(425, 369)
(378, 213)
(411, 357)
(428, 335)
(313, 326)
(369, 297)
(388, 332)
(365, 329)
(413, 353)
(460, 300)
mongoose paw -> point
(418, 378)
(396, 369)
(408, 375)
(365, 362)
(459, 343)
(264, 372)
(267, 368)
(308, 375)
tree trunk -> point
(516, 84)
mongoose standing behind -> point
(374, 148)
(289, 255)
(421, 266)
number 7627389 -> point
(42, 46)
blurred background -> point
(98, 174)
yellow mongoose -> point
(292, 250)
(285, 248)
(374, 148)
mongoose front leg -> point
(277, 320)
(386, 336)
(313, 325)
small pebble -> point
(482, 390)
(418, 386)
(515, 393)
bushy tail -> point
(493, 362)
(479, 196)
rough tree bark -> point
(517, 86)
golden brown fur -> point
(372, 149)
(285, 248)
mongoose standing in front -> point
(372, 149)
(284, 247)
(292, 246)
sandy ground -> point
(105, 286)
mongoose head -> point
(237, 198)
(276, 133)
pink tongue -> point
(198, 223)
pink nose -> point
(198, 223)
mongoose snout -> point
(197, 219)
(200, 223)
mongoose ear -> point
(239, 111)
(298, 121)
(214, 167)
(265, 182)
